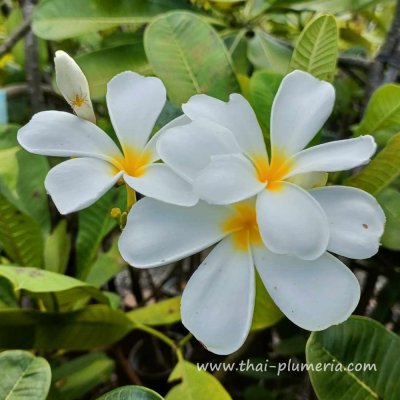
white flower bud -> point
(73, 86)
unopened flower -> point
(134, 104)
(223, 154)
(73, 85)
(218, 301)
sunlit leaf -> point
(162, 313)
(131, 393)
(358, 341)
(267, 52)
(58, 19)
(189, 56)
(382, 112)
(381, 171)
(195, 384)
(89, 328)
(24, 376)
(331, 6)
(316, 50)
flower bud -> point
(73, 86)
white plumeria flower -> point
(134, 104)
(73, 85)
(223, 154)
(218, 301)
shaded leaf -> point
(131, 393)
(358, 341)
(389, 199)
(57, 247)
(24, 376)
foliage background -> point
(93, 324)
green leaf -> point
(267, 52)
(162, 313)
(94, 223)
(382, 112)
(73, 379)
(266, 313)
(24, 376)
(263, 88)
(131, 393)
(101, 65)
(195, 384)
(106, 267)
(359, 340)
(389, 199)
(381, 171)
(189, 56)
(20, 235)
(57, 19)
(331, 6)
(57, 247)
(88, 328)
(316, 50)
(67, 290)
(7, 296)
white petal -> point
(73, 85)
(56, 133)
(227, 179)
(309, 180)
(188, 149)
(134, 103)
(292, 222)
(161, 183)
(235, 115)
(218, 301)
(356, 220)
(312, 294)
(76, 184)
(334, 156)
(158, 233)
(300, 108)
(151, 146)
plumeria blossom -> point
(218, 301)
(223, 155)
(73, 85)
(134, 103)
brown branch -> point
(15, 37)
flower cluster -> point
(208, 180)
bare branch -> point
(15, 37)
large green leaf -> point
(162, 313)
(67, 290)
(316, 50)
(24, 376)
(359, 341)
(195, 384)
(189, 56)
(57, 248)
(381, 171)
(382, 112)
(266, 313)
(58, 19)
(389, 199)
(89, 328)
(94, 224)
(73, 379)
(331, 6)
(131, 393)
(266, 52)
(101, 65)
(20, 235)
(263, 88)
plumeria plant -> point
(201, 191)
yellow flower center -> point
(133, 162)
(78, 101)
(242, 225)
(272, 173)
